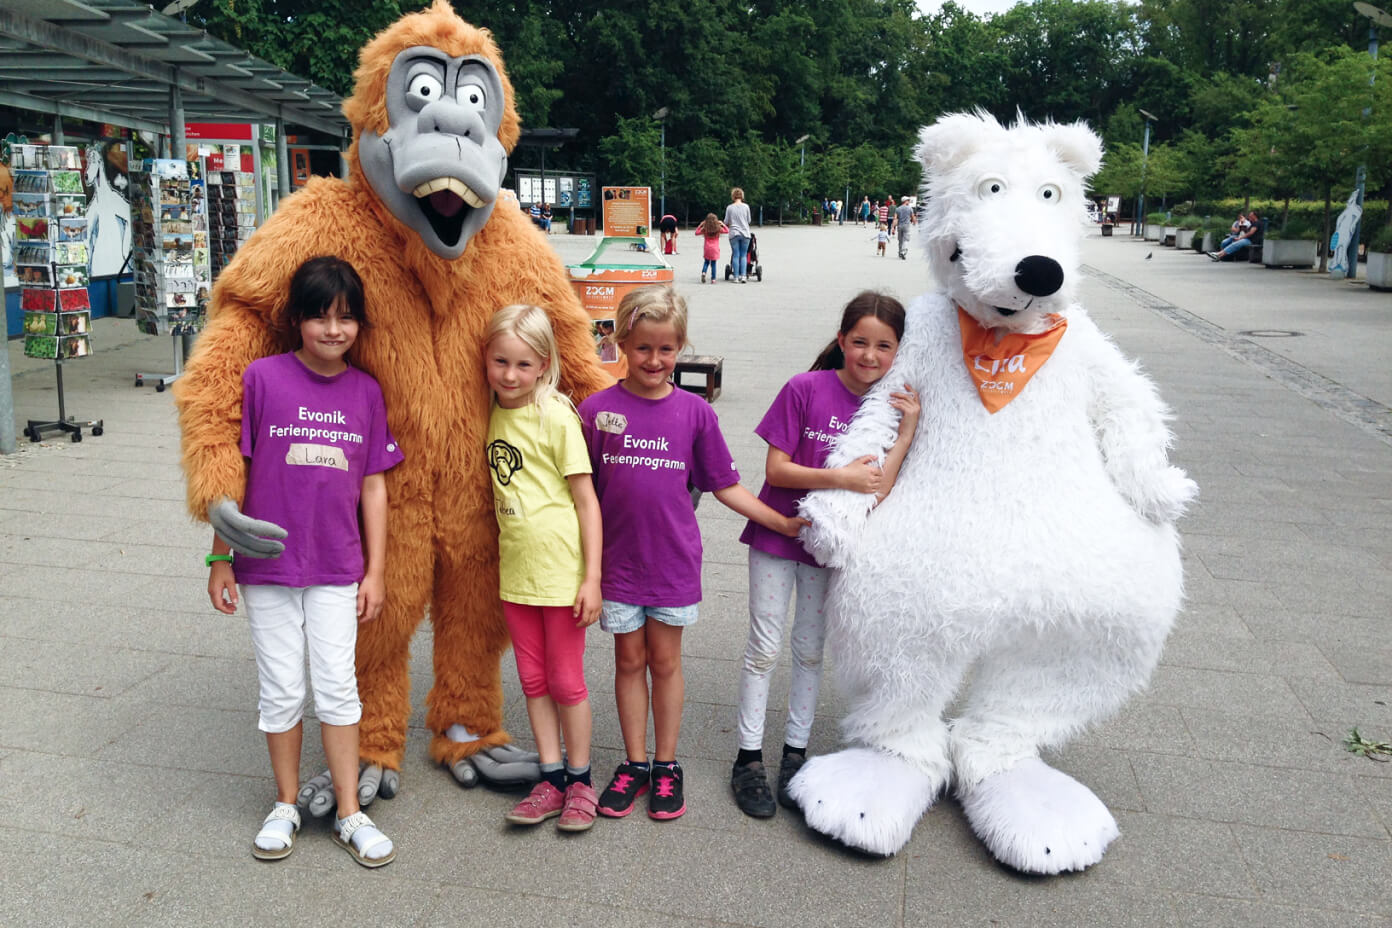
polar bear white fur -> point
(1033, 547)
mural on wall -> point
(108, 207)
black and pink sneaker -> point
(630, 781)
(666, 799)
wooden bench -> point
(708, 366)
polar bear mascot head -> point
(1003, 215)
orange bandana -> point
(1001, 369)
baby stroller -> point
(754, 269)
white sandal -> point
(283, 812)
(343, 837)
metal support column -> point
(282, 160)
(58, 137)
(7, 429)
(177, 142)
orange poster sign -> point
(627, 211)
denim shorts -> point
(621, 618)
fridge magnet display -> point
(31, 182)
(70, 253)
(31, 253)
(29, 157)
(40, 323)
(69, 206)
(72, 230)
(74, 346)
(36, 275)
(44, 347)
(67, 181)
(74, 323)
(70, 301)
(31, 228)
(73, 276)
(31, 204)
(64, 158)
(38, 301)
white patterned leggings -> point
(771, 583)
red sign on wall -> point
(219, 131)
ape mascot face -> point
(435, 124)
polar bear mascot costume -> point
(1030, 537)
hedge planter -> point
(1289, 252)
(1379, 270)
(1151, 232)
(1209, 243)
(1184, 238)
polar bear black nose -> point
(1038, 275)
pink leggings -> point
(550, 651)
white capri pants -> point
(283, 620)
(771, 583)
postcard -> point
(40, 323)
(38, 301)
(40, 346)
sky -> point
(979, 7)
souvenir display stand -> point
(51, 262)
(170, 255)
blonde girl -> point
(648, 441)
(549, 542)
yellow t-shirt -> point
(541, 562)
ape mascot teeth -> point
(1029, 540)
(433, 122)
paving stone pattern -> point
(132, 776)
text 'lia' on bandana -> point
(1000, 369)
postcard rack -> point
(51, 261)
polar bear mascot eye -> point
(1002, 211)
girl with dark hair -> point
(316, 443)
(799, 427)
(710, 230)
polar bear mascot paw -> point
(863, 798)
(1039, 820)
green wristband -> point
(208, 561)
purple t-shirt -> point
(311, 440)
(643, 451)
(808, 413)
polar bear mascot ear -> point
(1003, 213)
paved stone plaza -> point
(132, 776)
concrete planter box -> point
(1379, 270)
(1184, 238)
(1289, 252)
(1210, 243)
(1151, 233)
(1168, 235)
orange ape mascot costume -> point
(433, 122)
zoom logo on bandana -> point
(504, 460)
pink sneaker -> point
(543, 802)
(581, 804)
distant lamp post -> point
(802, 165)
(1376, 17)
(1145, 159)
(661, 117)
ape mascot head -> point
(433, 116)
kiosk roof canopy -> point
(117, 61)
